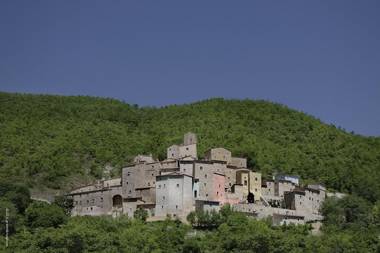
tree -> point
(140, 214)
(41, 214)
(65, 202)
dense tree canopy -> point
(57, 141)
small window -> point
(164, 185)
(163, 197)
(187, 148)
(184, 170)
(101, 199)
(204, 184)
(245, 182)
(205, 175)
(256, 178)
(206, 195)
(148, 183)
(129, 173)
(217, 193)
(177, 185)
(255, 189)
(201, 168)
(176, 206)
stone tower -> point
(189, 138)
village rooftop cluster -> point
(182, 183)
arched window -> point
(117, 201)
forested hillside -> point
(58, 141)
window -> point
(256, 178)
(184, 170)
(159, 186)
(164, 185)
(201, 168)
(205, 175)
(217, 193)
(255, 189)
(152, 174)
(206, 194)
(176, 206)
(129, 173)
(195, 193)
(245, 182)
(127, 182)
(163, 197)
(148, 183)
(204, 184)
(187, 148)
(101, 199)
(177, 185)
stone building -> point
(255, 184)
(183, 183)
(174, 195)
(102, 198)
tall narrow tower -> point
(189, 138)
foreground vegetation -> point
(352, 224)
(59, 142)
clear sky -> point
(320, 57)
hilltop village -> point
(182, 183)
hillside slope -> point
(58, 141)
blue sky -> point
(320, 57)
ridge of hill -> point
(62, 141)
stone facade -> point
(181, 183)
(174, 195)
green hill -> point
(58, 141)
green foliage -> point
(140, 214)
(350, 212)
(13, 218)
(55, 141)
(17, 193)
(58, 142)
(41, 214)
(65, 202)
